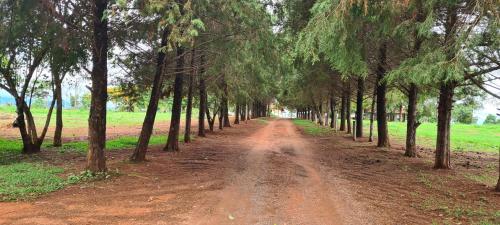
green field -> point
(78, 119)
(464, 137)
(75, 118)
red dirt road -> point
(279, 184)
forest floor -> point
(270, 172)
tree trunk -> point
(372, 115)
(446, 92)
(319, 114)
(203, 100)
(96, 161)
(348, 110)
(248, 112)
(343, 109)
(226, 106)
(57, 142)
(359, 107)
(382, 130)
(412, 123)
(243, 112)
(173, 134)
(141, 148)
(221, 117)
(445, 105)
(189, 108)
(28, 144)
(333, 108)
(211, 120)
(498, 183)
(237, 114)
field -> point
(75, 118)
(464, 137)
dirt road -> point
(279, 184)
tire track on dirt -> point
(279, 185)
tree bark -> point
(29, 146)
(237, 114)
(210, 119)
(248, 112)
(498, 183)
(446, 92)
(445, 104)
(96, 161)
(343, 109)
(382, 130)
(333, 109)
(203, 99)
(243, 112)
(57, 142)
(173, 134)
(359, 107)
(226, 106)
(221, 117)
(372, 115)
(189, 108)
(412, 123)
(141, 148)
(348, 110)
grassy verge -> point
(77, 118)
(20, 179)
(464, 137)
(13, 147)
(312, 128)
(28, 180)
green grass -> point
(125, 142)
(25, 180)
(312, 128)
(464, 137)
(75, 118)
(28, 180)
(13, 147)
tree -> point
(24, 47)
(173, 133)
(189, 107)
(176, 24)
(96, 160)
(203, 99)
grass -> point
(77, 118)
(28, 180)
(13, 147)
(464, 137)
(312, 128)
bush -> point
(490, 119)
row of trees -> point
(342, 51)
(209, 54)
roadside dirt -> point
(269, 173)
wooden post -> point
(354, 130)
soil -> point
(269, 173)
